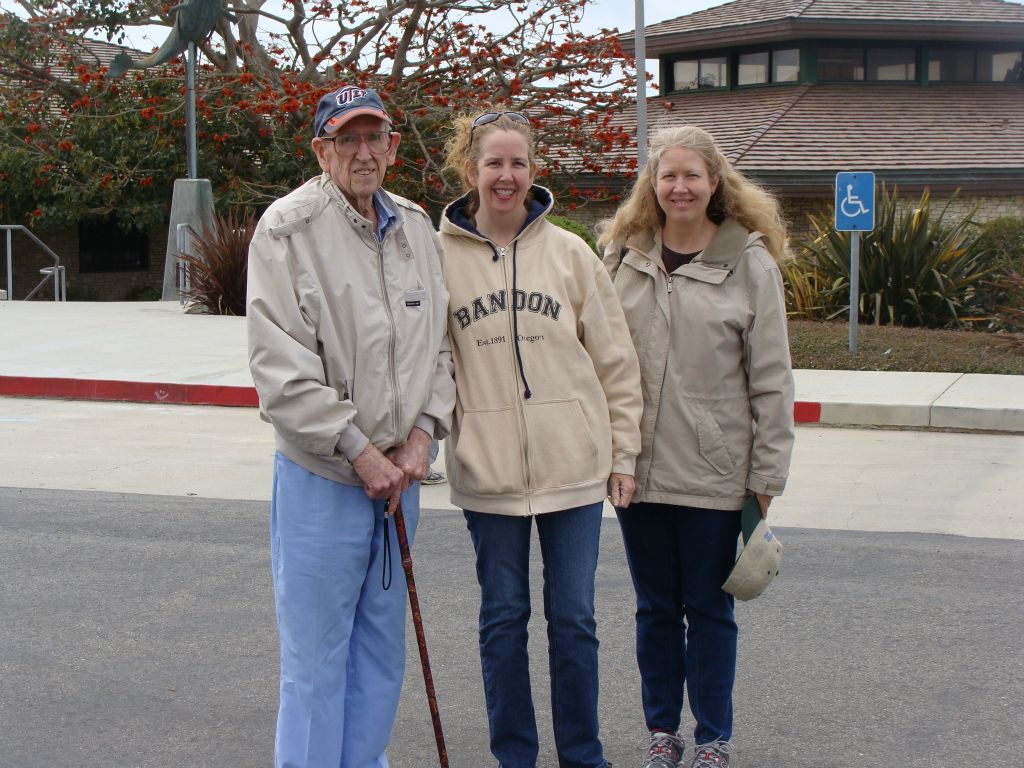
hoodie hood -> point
(456, 219)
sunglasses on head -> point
(490, 117)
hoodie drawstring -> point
(527, 393)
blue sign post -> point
(855, 212)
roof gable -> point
(757, 20)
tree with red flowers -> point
(73, 143)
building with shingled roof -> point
(925, 93)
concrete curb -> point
(192, 394)
(151, 352)
(974, 401)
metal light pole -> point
(641, 84)
(190, 113)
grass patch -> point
(825, 346)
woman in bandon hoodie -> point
(546, 426)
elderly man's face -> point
(355, 161)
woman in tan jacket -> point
(693, 254)
(547, 424)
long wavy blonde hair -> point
(462, 150)
(736, 196)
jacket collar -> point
(725, 247)
(381, 200)
(455, 219)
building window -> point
(768, 67)
(840, 63)
(950, 65)
(752, 68)
(104, 247)
(786, 66)
(867, 64)
(1000, 66)
(700, 73)
(892, 64)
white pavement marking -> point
(965, 484)
(968, 484)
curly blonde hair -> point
(736, 197)
(462, 149)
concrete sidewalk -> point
(153, 352)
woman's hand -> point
(763, 501)
(620, 489)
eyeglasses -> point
(490, 117)
(378, 142)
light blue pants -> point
(342, 634)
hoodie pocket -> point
(562, 447)
(712, 445)
(489, 453)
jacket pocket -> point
(489, 452)
(712, 445)
(562, 447)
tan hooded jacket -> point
(714, 358)
(348, 340)
(515, 453)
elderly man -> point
(349, 352)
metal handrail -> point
(55, 273)
(184, 235)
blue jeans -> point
(569, 542)
(342, 633)
(686, 632)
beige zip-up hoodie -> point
(549, 397)
(348, 339)
(714, 357)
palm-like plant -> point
(218, 270)
(916, 267)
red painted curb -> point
(129, 391)
(806, 413)
(195, 394)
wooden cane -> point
(421, 639)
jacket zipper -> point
(392, 368)
(524, 441)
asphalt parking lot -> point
(139, 631)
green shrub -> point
(1003, 295)
(1003, 238)
(219, 267)
(917, 268)
(576, 228)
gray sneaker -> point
(717, 754)
(434, 478)
(665, 751)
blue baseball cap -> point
(338, 107)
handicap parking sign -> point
(855, 201)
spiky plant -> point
(218, 269)
(917, 268)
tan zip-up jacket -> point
(714, 358)
(348, 339)
(513, 455)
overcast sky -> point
(599, 14)
(620, 13)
